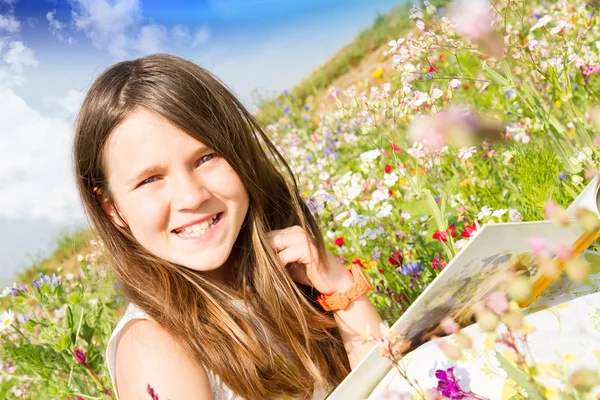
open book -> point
(471, 275)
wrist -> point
(342, 282)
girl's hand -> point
(293, 245)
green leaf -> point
(519, 376)
(499, 78)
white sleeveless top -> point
(219, 390)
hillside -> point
(356, 62)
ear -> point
(109, 208)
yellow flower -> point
(466, 182)
(557, 104)
(378, 73)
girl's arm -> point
(353, 320)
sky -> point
(52, 50)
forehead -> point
(144, 138)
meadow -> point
(434, 121)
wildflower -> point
(542, 22)
(449, 388)
(7, 290)
(438, 263)
(484, 212)
(497, 302)
(6, 319)
(396, 258)
(514, 215)
(404, 215)
(339, 241)
(499, 213)
(560, 27)
(378, 73)
(442, 236)
(454, 83)
(395, 148)
(386, 210)
(556, 213)
(375, 254)
(390, 179)
(387, 168)
(79, 356)
(469, 230)
(410, 268)
(395, 44)
(449, 326)
(466, 152)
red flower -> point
(466, 86)
(79, 356)
(358, 262)
(395, 148)
(391, 193)
(387, 168)
(396, 258)
(431, 69)
(469, 229)
(442, 236)
(441, 57)
(339, 241)
(381, 270)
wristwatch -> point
(340, 300)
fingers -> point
(282, 238)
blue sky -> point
(51, 50)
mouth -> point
(200, 231)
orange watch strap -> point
(340, 300)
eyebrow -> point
(154, 168)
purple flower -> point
(54, 281)
(448, 385)
(35, 284)
(14, 291)
(410, 268)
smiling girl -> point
(231, 291)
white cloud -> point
(32, 22)
(107, 25)
(151, 38)
(9, 23)
(35, 173)
(19, 55)
(56, 27)
(202, 36)
(118, 27)
(64, 107)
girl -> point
(231, 291)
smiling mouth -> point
(200, 229)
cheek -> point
(147, 216)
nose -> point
(188, 191)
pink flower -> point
(497, 302)
(339, 241)
(540, 246)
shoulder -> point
(148, 355)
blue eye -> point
(150, 180)
(211, 155)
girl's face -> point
(169, 187)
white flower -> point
(421, 25)
(395, 44)
(541, 23)
(415, 13)
(499, 213)
(369, 156)
(386, 210)
(532, 44)
(324, 175)
(560, 26)
(405, 215)
(466, 152)
(7, 290)
(460, 243)
(454, 83)
(80, 258)
(420, 98)
(6, 319)
(390, 179)
(69, 276)
(437, 93)
(484, 212)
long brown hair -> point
(196, 311)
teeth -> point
(195, 229)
